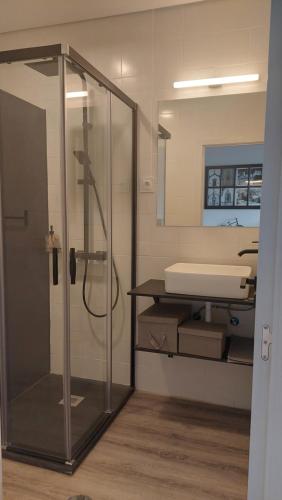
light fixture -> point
(210, 82)
(79, 93)
(166, 113)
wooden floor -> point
(157, 449)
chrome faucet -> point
(249, 250)
(249, 281)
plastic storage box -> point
(158, 326)
(199, 338)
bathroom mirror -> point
(210, 160)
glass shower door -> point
(67, 254)
(89, 232)
(32, 316)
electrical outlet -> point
(146, 185)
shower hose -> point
(92, 312)
(83, 157)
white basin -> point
(207, 280)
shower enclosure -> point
(67, 254)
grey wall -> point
(23, 167)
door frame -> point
(266, 436)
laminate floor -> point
(157, 449)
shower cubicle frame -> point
(65, 53)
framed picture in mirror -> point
(233, 186)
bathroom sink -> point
(209, 280)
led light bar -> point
(222, 80)
(79, 93)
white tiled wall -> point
(143, 54)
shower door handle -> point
(55, 266)
(72, 266)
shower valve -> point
(99, 255)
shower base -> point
(36, 421)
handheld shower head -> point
(82, 157)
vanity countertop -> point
(156, 289)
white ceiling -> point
(24, 14)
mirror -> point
(210, 160)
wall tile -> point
(168, 61)
(216, 49)
(169, 22)
(259, 44)
(168, 376)
(222, 15)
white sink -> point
(207, 280)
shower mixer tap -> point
(99, 255)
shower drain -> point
(74, 401)
(79, 497)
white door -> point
(265, 472)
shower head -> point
(163, 133)
(82, 158)
(46, 68)
(50, 67)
